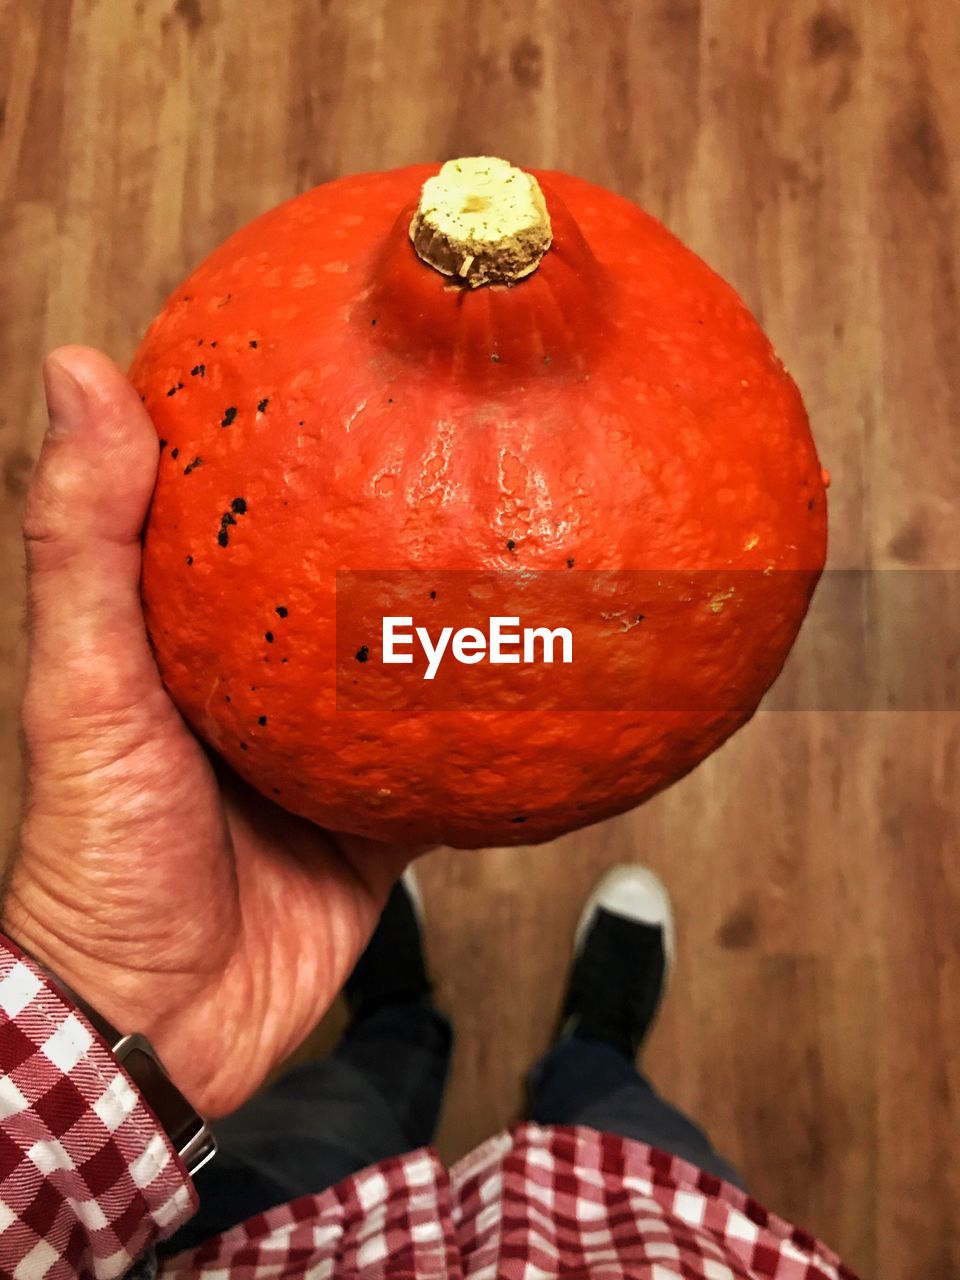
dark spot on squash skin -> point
(198, 371)
(173, 390)
(192, 466)
(362, 654)
(511, 545)
(189, 559)
(262, 406)
(261, 720)
(244, 747)
(213, 344)
(494, 357)
(640, 617)
(228, 518)
(275, 790)
(570, 563)
(268, 636)
(282, 610)
(548, 359)
(519, 819)
(228, 416)
(284, 659)
(433, 595)
(163, 443)
(254, 343)
(174, 453)
(227, 698)
(811, 504)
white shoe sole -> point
(633, 893)
(412, 886)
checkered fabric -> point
(87, 1177)
(529, 1205)
(87, 1181)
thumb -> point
(84, 512)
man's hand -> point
(176, 903)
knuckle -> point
(37, 523)
(43, 523)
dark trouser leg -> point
(589, 1083)
(378, 1095)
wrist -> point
(72, 949)
(187, 1132)
(105, 991)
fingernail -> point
(66, 398)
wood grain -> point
(811, 152)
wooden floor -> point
(811, 151)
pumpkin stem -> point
(482, 221)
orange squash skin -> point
(350, 410)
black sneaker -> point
(392, 969)
(622, 956)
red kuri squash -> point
(496, 402)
